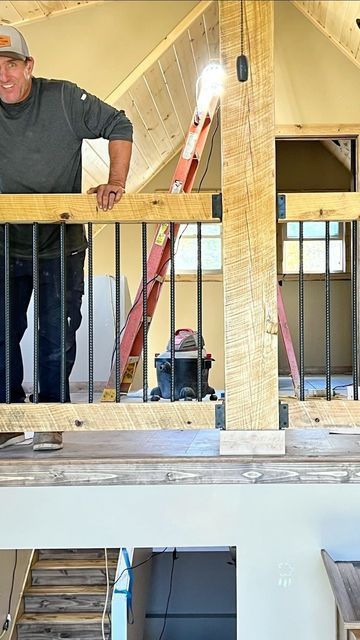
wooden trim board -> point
(88, 417)
(322, 413)
(321, 206)
(321, 130)
(82, 208)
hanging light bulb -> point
(209, 85)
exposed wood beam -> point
(249, 233)
(107, 417)
(323, 30)
(155, 54)
(82, 208)
(322, 413)
(319, 206)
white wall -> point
(282, 589)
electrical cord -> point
(211, 148)
(134, 566)
(174, 557)
(7, 622)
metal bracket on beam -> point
(217, 209)
(283, 415)
(220, 416)
(281, 206)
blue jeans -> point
(21, 286)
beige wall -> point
(7, 560)
(314, 81)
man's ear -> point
(29, 65)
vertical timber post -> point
(249, 223)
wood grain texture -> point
(247, 114)
(156, 54)
(313, 456)
(344, 578)
(252, 443)
(320, 130)
(20, 13)
(321, 413)
(57, 599)
(78, 417)
(336, 23)
(80, 208)
(321, 206)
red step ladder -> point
(182, 182)
(131, 344)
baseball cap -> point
(12, 43)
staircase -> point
(65, 596)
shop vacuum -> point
(185, 375)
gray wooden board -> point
(180, 457)
(66, 602)
(344, 578)
(59, 632)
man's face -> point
(15, 79)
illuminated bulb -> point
(209, 84)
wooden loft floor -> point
(182, 457)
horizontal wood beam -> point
(106, 417)
(82, 208)
(289, 131)
(318, 206)
(322, 413)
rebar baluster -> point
(7, 313)
(145, 311)
(117, 313)
(63, 317)
(91, 312)
(36, 310)
(199, 371)
(327, 313)
(172, 311)
(301, 311)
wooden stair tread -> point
(73, 564)
(57, 554)
(60, 618)
(52, 590)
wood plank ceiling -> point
(159, 98)
(337, 20)
(20, 12)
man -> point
(42, 126)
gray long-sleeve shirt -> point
(40, 152)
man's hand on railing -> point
(107, 195)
